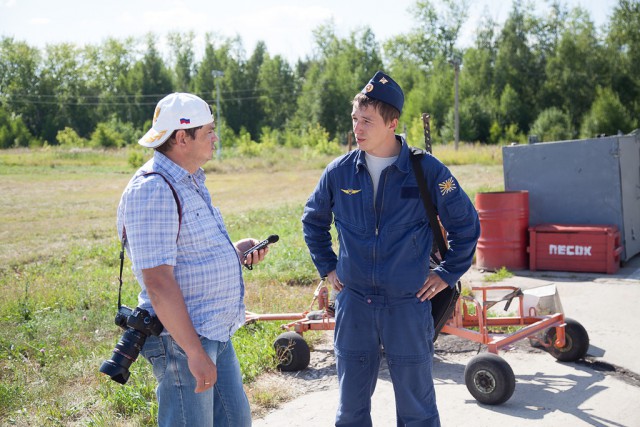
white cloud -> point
(176, 19)
(296, 16)
(285, 29)
(125, 18)
(284, 25)
(40, 21)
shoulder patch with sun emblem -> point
(350, 191)
(447, 186)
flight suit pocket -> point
(457, 209)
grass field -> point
(58, 270)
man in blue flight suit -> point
(383, 264)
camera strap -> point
(124, 232)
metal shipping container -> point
(590, 181)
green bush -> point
(415, 132)
(328, 147)
(226, 136)
(105, 137)
(475, 122)
(495, 133)
(114, 134)
(136, 159)
(293, 138)
(270, 137)
(68, 137)
(552, 125)
(317, 138)
(247, 147)
(13, 131)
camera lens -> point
(125, 353)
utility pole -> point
(455, 61)
(214, 74)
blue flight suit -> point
(383, 261)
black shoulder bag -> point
(444, 303)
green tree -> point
(276, 89)
(476, 73)
(147, 83)
(623, 42)
(475, 122)
(419, 59)
(308, 109)
(516, 66)
(547, 31)
(106, 68)
(203, 82)
(234, 90)
(435, 34)
(351, 62)
(340, 70)
(20, 84)
(252, 113)
(575, 68)
(227, 55)
(607, 116)
(477, 85)
(417, 100)
(436, 93)
(64, 86)
(511, 107)
(182, 53)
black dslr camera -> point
(138, 324)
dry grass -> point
(269, 392)
(46, 209)
(42, 213)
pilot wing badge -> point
(350, 191)
(447, 186)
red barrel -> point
(504, 220)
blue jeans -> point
(367, 324)
(225, 404)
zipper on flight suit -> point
(377, 226)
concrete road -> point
(603, 390)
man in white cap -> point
(189, 271)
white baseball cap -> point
(176, 111)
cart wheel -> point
(489, 379)
(292, 352)
(576, 342)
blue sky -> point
(284, 25)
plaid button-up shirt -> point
(206, 264)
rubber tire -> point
(292, 352)
(576, 342)
(489, 379)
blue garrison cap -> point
(383, 88)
